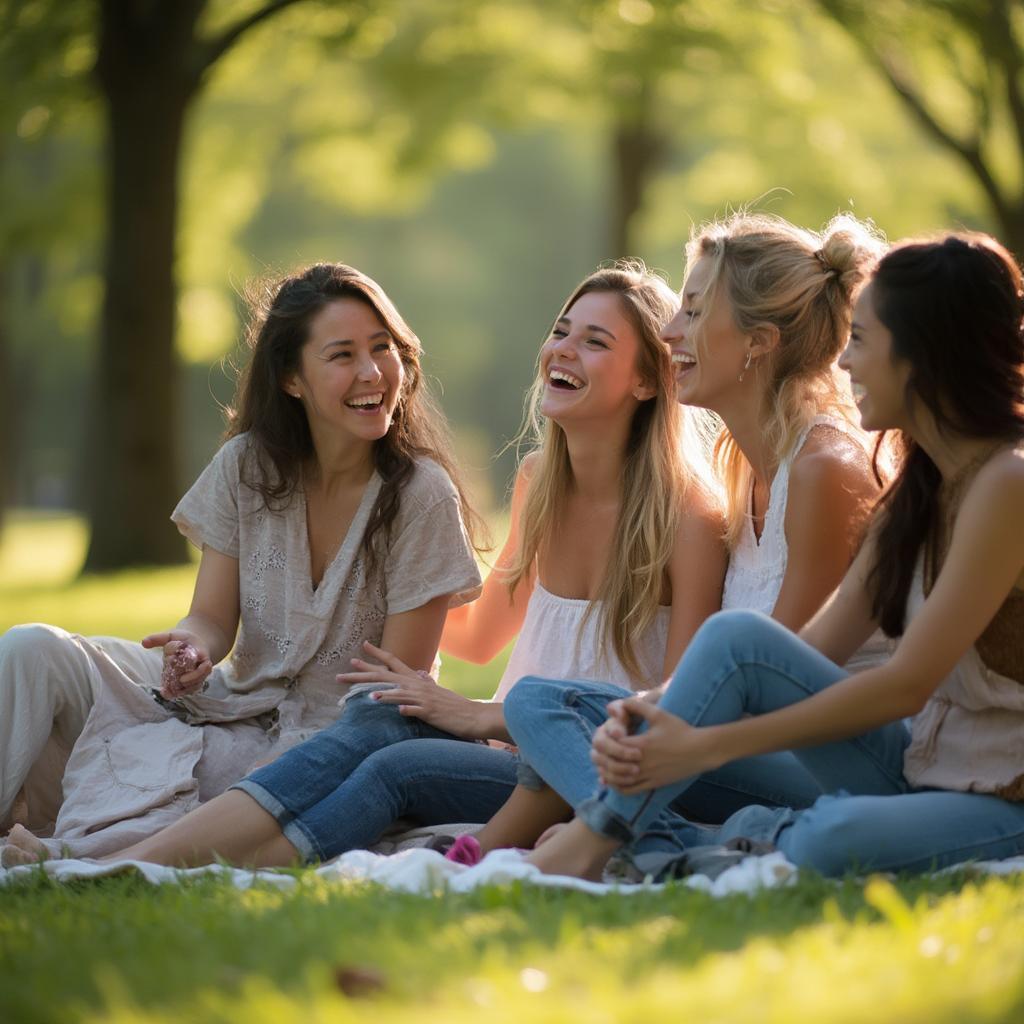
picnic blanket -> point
(424, 871)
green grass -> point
(929, 950)
(117, 950)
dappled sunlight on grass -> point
(923, 950)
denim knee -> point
(827, 836)
(723, 629)
(529, 695)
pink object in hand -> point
(184, 660)
(465, 850)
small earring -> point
(746, 366)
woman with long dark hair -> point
(936, 352)
(328, 518)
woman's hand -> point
(417, 694)
(184, 671)
(671, 749)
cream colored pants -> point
(48, 684)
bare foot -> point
(23, 848)
(576, 851)
(550, 833)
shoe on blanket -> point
(465, 850)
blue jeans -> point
(745, 663)
(345, 785)
(562, 718)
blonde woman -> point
(765, 312)
(614, 560)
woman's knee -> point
(530, 696)
(724, 629)
(832, 837)
(31, 643)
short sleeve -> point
(208, 513)
(431, 554)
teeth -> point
(567, 377)
(366, 400)
(684, 358)
(859, 391)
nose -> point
(563, 347)
(368, 371)
(673, 330)
(844, 358)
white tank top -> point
(757, 567)
(552, 645)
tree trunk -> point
(144, 74)
(637, 149)
(8, 408)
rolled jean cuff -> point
(596, 815)
(293, 830)
(528, 777)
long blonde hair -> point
(662, 460)
(802, 283)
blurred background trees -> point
(476, 156)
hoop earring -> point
(746, 366)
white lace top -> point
(757, 567)
(551, 644)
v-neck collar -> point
(347, 549)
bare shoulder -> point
(999, 486)
(702, 511)
(830, 462)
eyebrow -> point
(348, 341)
(590, 327)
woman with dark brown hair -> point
(329, 518)
(936, 352)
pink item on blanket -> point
(465, 850)
(184, 660)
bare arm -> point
(831, 491)
(986, 558)
(696, 573)
(212, 620)
(478, 631)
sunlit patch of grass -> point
(944, 950)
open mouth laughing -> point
(562, 380)
(366, 404)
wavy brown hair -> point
(277, 425)
(955, 309)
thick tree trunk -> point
(144, 73)
(637, 149)
(8, 408)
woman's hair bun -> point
(849, 249)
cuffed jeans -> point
(741, 663)
(341, 788)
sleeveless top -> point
(552, 644)
(756, 568)
(969, 737)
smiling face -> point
(878, 378)
(590, 362)
(350, 372)
(708, 349)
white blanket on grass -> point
(427, 872)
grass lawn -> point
(926, 950)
